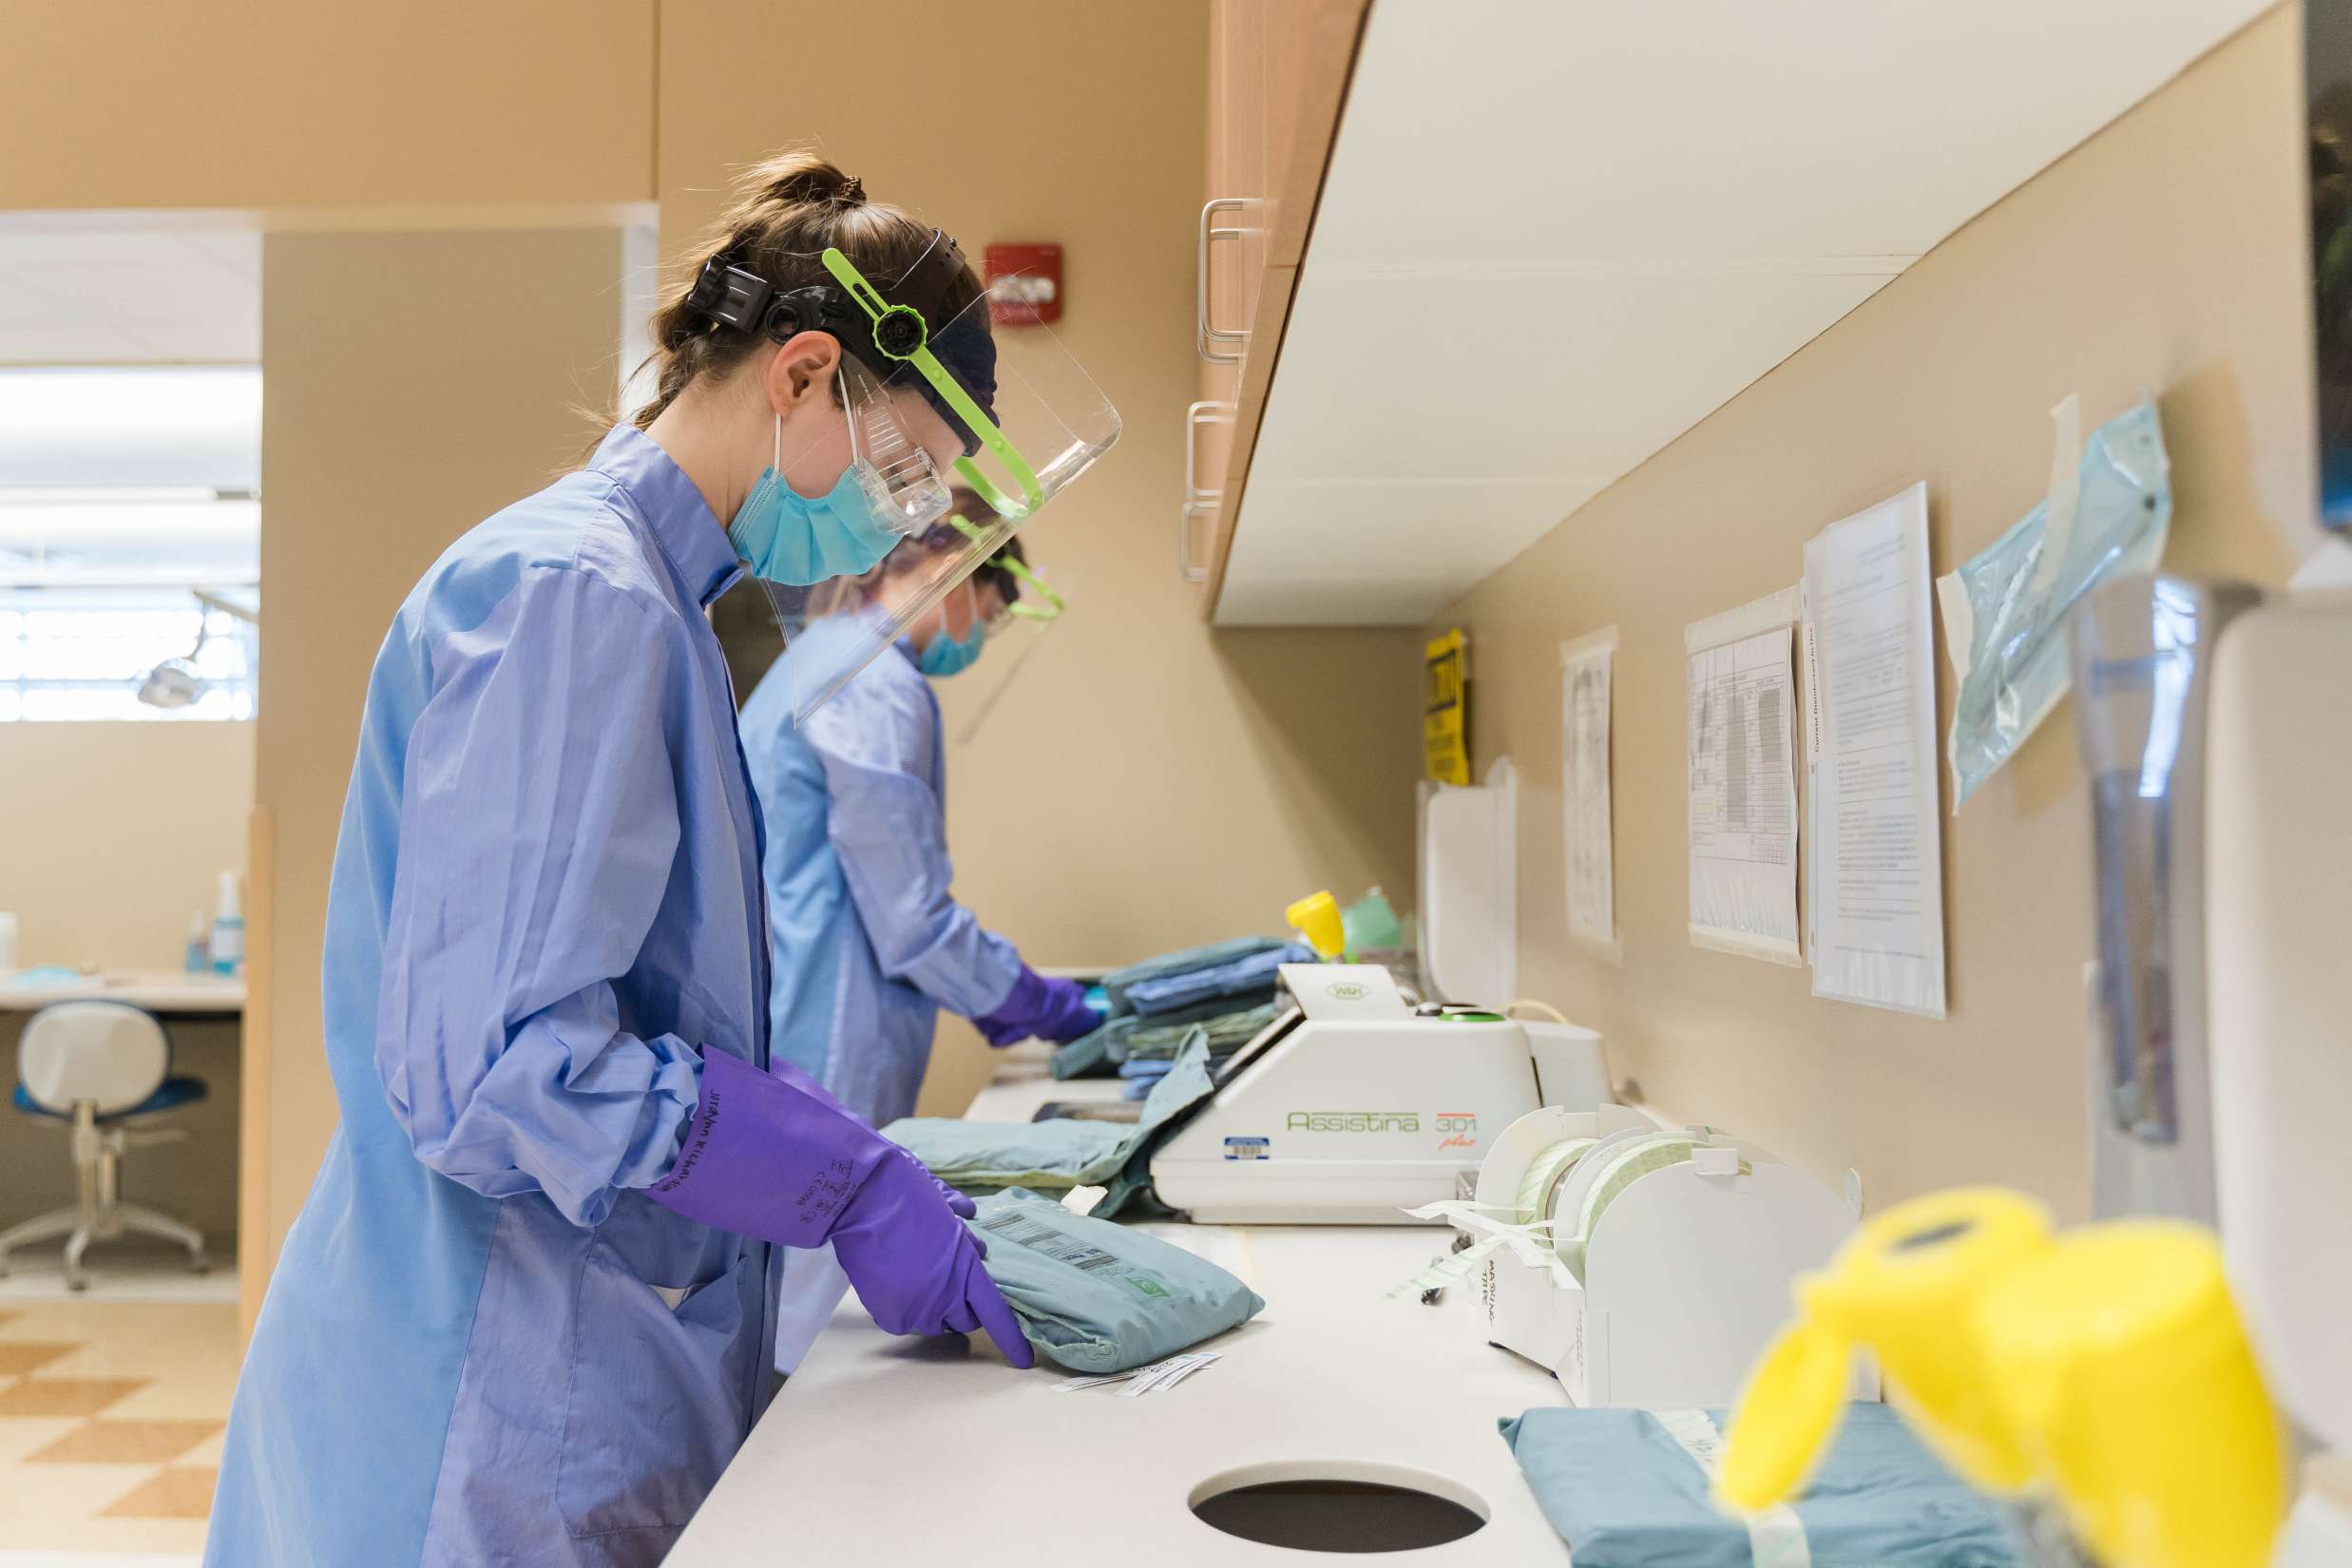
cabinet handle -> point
(1207, 335)
(1198, 501)
(1192, 570)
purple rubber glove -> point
(777, 1157)
(1036, 1006)
(965, 1207)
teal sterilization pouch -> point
(2006, 611)
(1098, 1297)
(1632, 1489)
(1053, 1155)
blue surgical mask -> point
(790, 538)
(946, 655)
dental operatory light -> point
(178, 682)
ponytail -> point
(787, 210)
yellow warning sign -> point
(1445, 709)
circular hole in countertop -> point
(1339, 1505)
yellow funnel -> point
(1316, 918)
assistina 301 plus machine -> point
(1357, 1103)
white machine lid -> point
(1345, 990)
(1469, 888)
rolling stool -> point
(101, 1069)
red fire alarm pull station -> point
(1024, 284)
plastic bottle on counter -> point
(199, 958)
(228, 929)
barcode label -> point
(1023, 1231)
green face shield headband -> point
(900, 334)
(1036, 610)
(1040, 611)
(1017, 446)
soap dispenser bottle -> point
(228, 929)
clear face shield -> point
(922, 406)
(1015, 632)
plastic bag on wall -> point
(2006, 611)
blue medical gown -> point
(484, 1343)
(867, 938)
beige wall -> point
(290, 104)
(1146, 784)
(113, 834)
(2166, 253)
(1149, 783)
(1217, 778)
(386, 431)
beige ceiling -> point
(79, 292)
(1554, 237)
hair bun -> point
(800, 178)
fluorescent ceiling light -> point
(124, 577)
(116, 495)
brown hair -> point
(786, 209)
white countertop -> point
(158, 990)
(885, 1450)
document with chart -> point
(1584, 789)
(1877, 894)
(1742, 781)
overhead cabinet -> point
(1465, 265)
